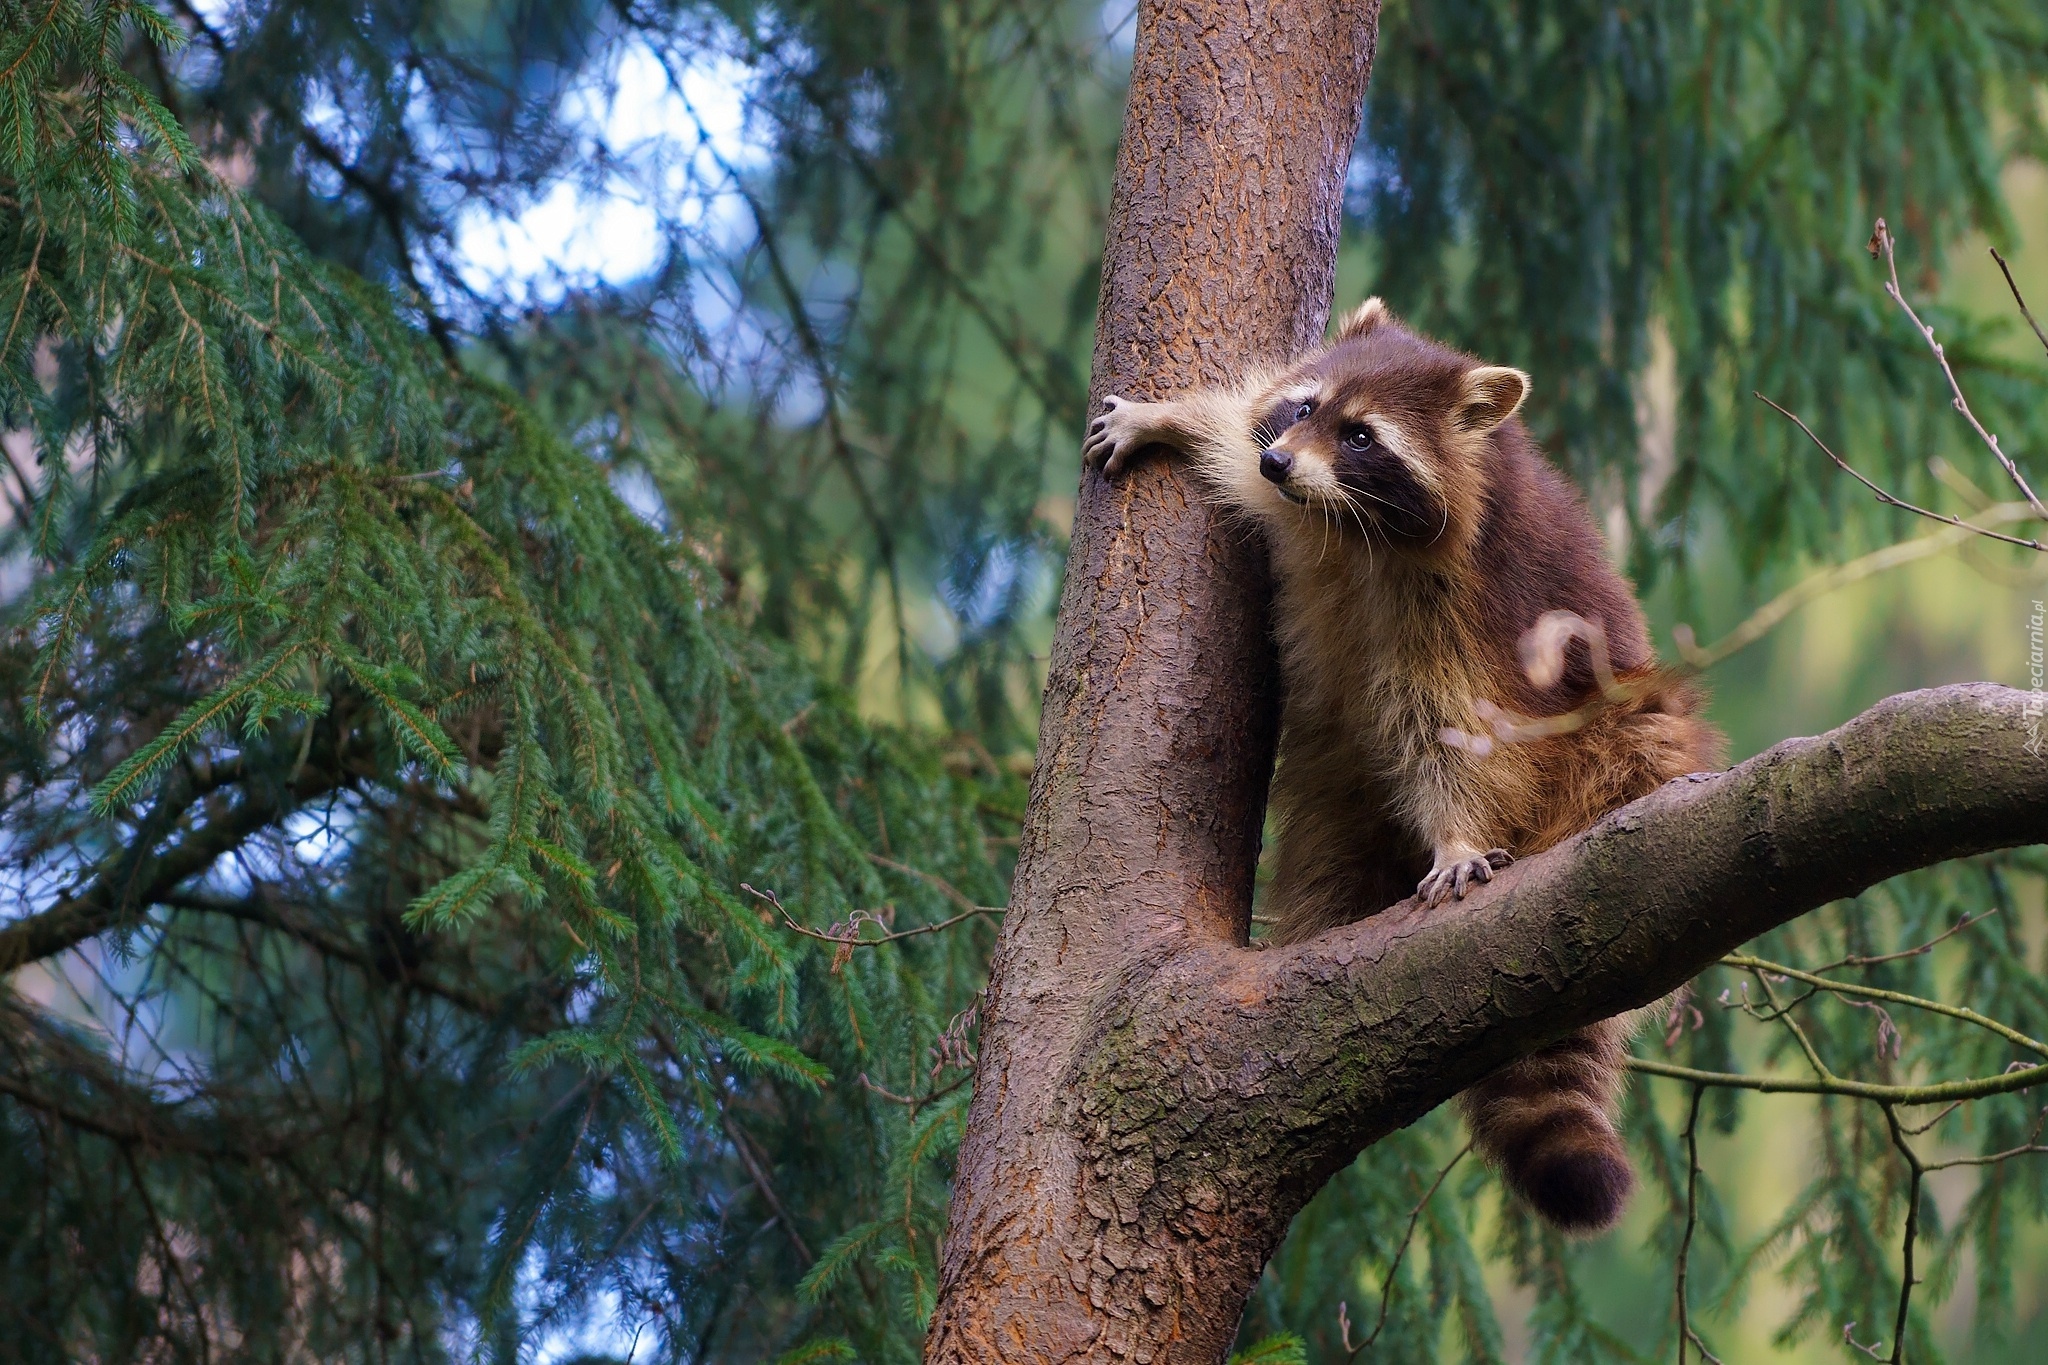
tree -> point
(1155, 1099)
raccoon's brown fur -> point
(1417, 537)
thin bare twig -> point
(742, 1145)
(1394, 1266)
(1858, 960)
(2006, 270)
(1906, 1281)
(1766, 618)
(1891, 500)
(847, 935)
(1846, 988)
(1881, 241)
(1959, 483)
(1686, 1334)
(1989, 1158)
(1944, 1112)
(813, 348)
(945, 888)
(1993, 1158)
(913, 1102)
(1784, 1016)
(1937, 1092)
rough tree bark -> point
(1154, 1099)
(1160, 711)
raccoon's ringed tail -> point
(1547, 1123)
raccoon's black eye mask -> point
(1397, 500)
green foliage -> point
(339, 659)
(1281, 1350)
(911, 271)
(1385, 1255)
(1591, 181)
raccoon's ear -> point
(1491, 395)
(1363, 318)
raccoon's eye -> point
(1301, 413)
(1358, 437)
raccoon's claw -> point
(1114, 436)
(1451, 880)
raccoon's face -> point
(1350, 461)
(1385, 435)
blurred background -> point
(805, 293)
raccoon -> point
(1433, 574)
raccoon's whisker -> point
(1364, 524)
(1341, 505)
(1444, 526)
(1346, 502)
(1351, 505)
(1365, 493)
(1446, 523)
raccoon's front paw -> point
(1451, 878)
(1118, 433)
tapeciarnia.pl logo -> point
(2037, 694)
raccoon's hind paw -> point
(1117, 435)
(1450, 880)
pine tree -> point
(400, 790)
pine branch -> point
(125, 1111)
(117, 893)
(265, 910)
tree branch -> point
(1939, 1092)
(265, 910)
(1371, 1025)
(120, 889)
(1890, 500)
(1881, 242)
(46, 1069)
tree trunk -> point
(1154, 1099)
(1160, 711)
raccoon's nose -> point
(1276, 465)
